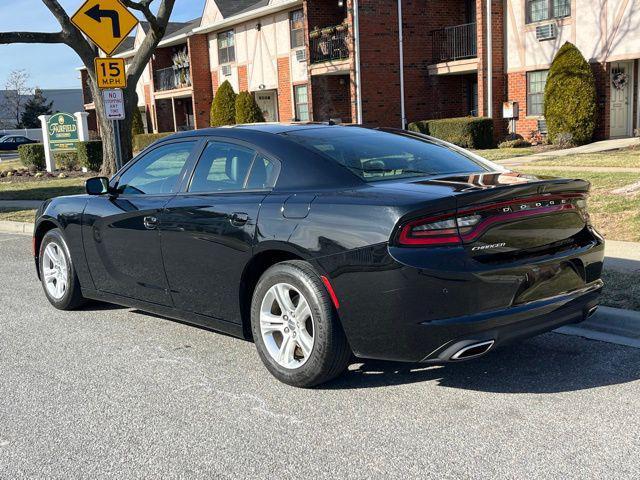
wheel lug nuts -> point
(286, 330)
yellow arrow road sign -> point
(106, 22)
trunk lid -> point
(506, 212)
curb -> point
(611, 325)
(16, 227)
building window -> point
(297, 29)
(539, 10)
(301, 96)
(536, 82)
(226, 47)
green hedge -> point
(90, 155)
(32, 155)
(66, 161)
(247, 110)
(223, 108)
(142, 141)
(466, 132)
(570, 97)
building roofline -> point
(246, 16)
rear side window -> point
(376, 155)
(228, 167)
(157, 172)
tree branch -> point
(143, 7)
(32, 37)
(56, 9)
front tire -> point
(57, 273)
(295, 327)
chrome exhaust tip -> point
(473, 351)
(592, 311)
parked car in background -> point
(319, 242)
(12, 142)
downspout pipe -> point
(403, 113)
(489, 62)
(356, 33)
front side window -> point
(157, 172)
(297, 29)
(536, 82)
(227, 167)
(226, 47)
(301, 95)
(540, 10)
(375, 155)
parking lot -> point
(109, 392)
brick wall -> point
(498, 67)
(379, 60)
(243, 81)
(200, 79)
(332, 98)
(603, 87)
(517, 92)
(285, 110)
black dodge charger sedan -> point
(322, 242)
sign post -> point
(114, 110)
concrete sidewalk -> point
(622, 257)
(596, 147)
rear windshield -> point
(376, 155)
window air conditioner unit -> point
(546, 32)
(301, 56)
(226, 70)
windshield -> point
(376, 155)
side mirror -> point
(97, 186)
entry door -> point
(268, 103)
(209, 231)
(621, 98)
(121, 232)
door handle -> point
(239, 219)
(150, 223)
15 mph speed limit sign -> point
(113, 104)
(111, 73)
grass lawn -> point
(10, 165)
(622, 290)
(620, 158)
(617, 217)
(15, 215)
(41, 189)
(495, 154)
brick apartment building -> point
(389, 62)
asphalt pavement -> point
(110, 392)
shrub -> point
(516, 143)
(570, 102)
(223, 108)
(137, 126)
(142, 141)
(565, 140)
(247, 110)
(66, 161)
(33, 155)
(420, 127)
(466, 132)
(90, 155)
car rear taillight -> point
(468, 224)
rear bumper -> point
(414, 305)
(507, 326)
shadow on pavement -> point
(552, 363)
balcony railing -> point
(329, 44)
(455, 43)
(172, 78)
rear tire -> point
(57, 273)
(295, 327)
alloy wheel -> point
(54, 271)
(286, 325)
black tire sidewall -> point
(66, 302)
(319, 302)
